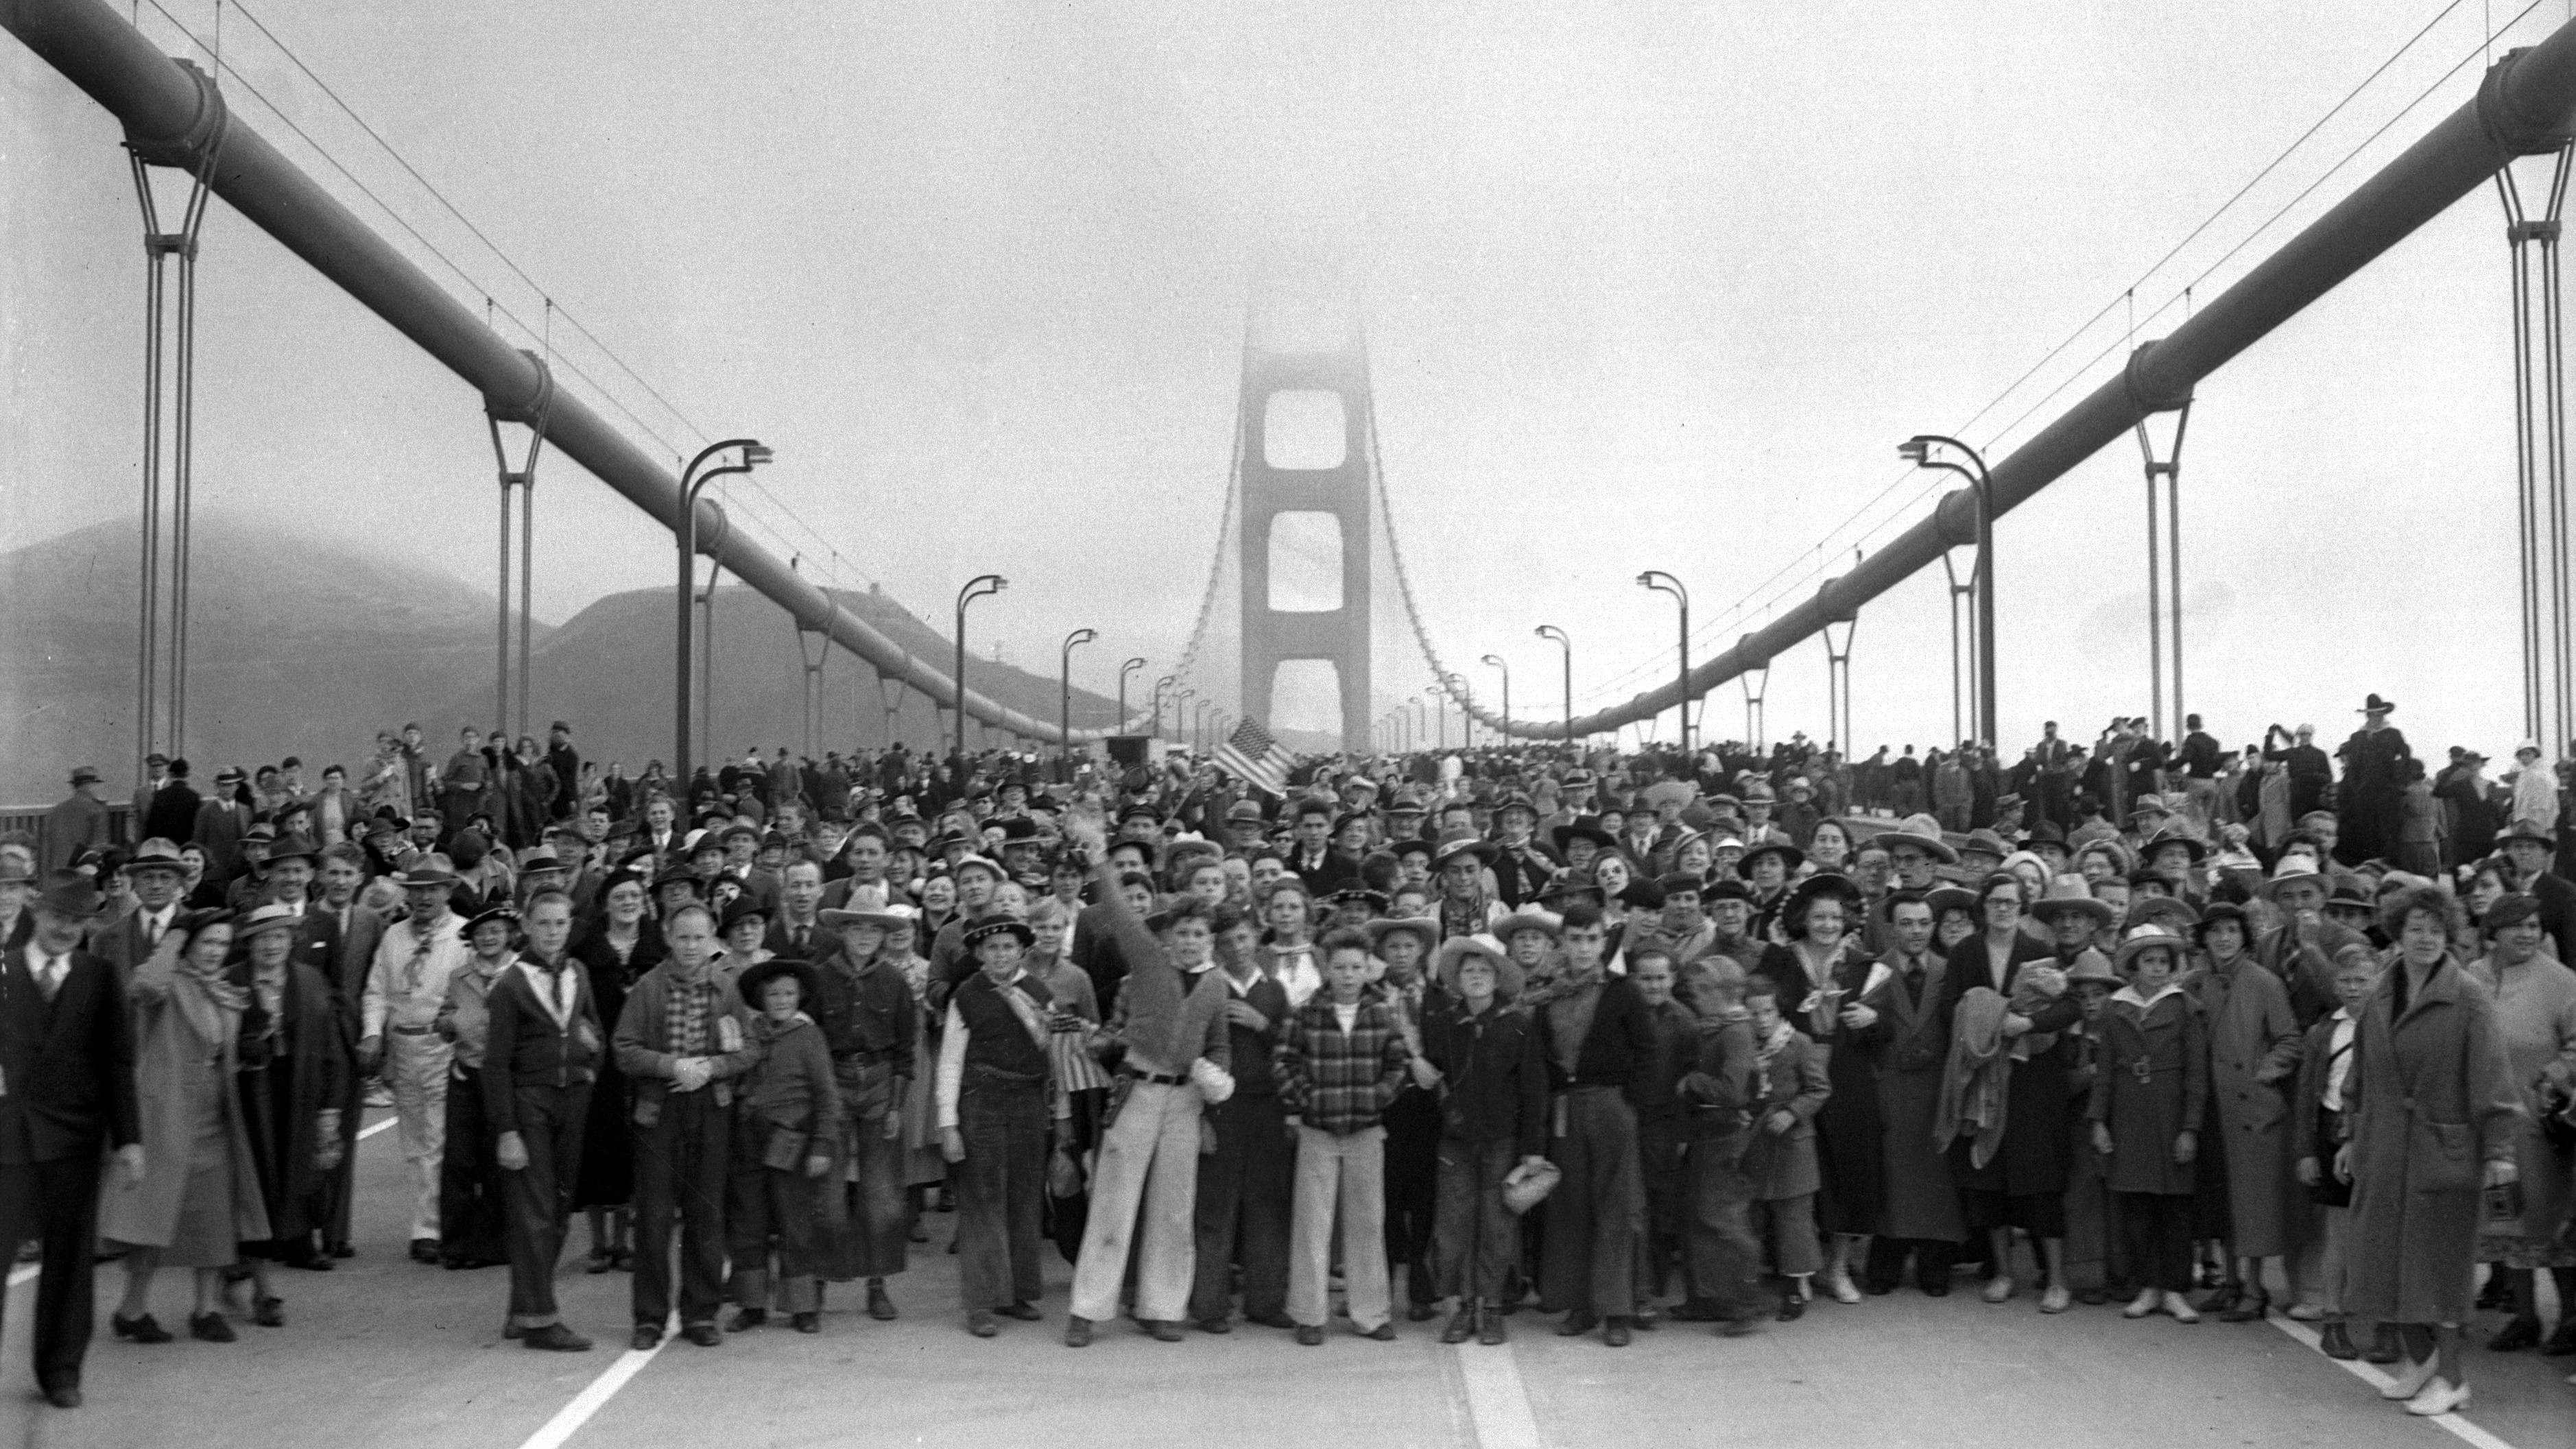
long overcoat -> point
(2252, 1032)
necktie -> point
(414, 969)
(800, 940)
(151, 932)
(49, 978)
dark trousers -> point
(768, 1206)
(2155, 1232)
(1659, 1167)
(1597, 1212)
(680, 1164)
(56, 1202)
(339, 1185)
(537, 1199)
(878, 1233)
(469, 1177)
(1412, 1125)
(1724, 1258)
(1932, 1260)
(1242, 1210)
(999, 1187)
(1476, 1238)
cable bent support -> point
(166, 111)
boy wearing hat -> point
(992, 1094)
(1486, 1065)
(66, 1095)
(870, 1023)
(788, 1125)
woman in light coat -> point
(2535, 1000)
(199, 1198)
(2433, 1124)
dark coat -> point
(1493, 1075)
(522, 1046)
(1783, 1164)
(174, 814)
(2038, 1104)
(301, 1063)
(2151, 1086)
(67, 1064)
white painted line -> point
(2459, 1428)
(372, 1128)
(1497, 1404)
(572, 1416)
(24, 1273)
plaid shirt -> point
(1339, 1081)
(686, 1014)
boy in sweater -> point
(1340, 1060)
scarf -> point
(1464, 917)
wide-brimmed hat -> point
(870, 913)
(2147, 937)
(1516, 800)
(989, 927)
(2376, 705)
(426, 871)
(1426, 927)
(1508, 976)
(2149, 804)
(2070, 893)
(2046, 832)
(2176, 915)
(293, 847)
(755, 979)
(1530, 918)
(2348, 895)
(1987, 842)
(1356, 895)
(740, 909)
(2223, 911)
(498, 911)
(981, 862)
(2172, 835)
(155, 854)
(70, 893)
(1923, 833)
(1451, 847)
(1951, 898)
(1244, 812)
(1571, 885)
(1791, 857)
(1585, 827)
(2296, 866)
(270, 917)
(85, 775)
(2091, 965)
(2530, 830)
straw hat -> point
(2148, 937)
(1455, 951)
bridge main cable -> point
(2526, 106)
(168, 105)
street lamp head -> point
(1495, 660)
(1646, 579)
(755, 454)
(1915, 449)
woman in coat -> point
(2254, 1046)
(618, 950)
(199, 1198)
(1821, 971)
(2434, 1116)
(292, 1064)
(2147, 1099)
(2535, 1004)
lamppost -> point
(1664, 583)
(1162, 687)
(1466, 698)
(1130, 667)
(1415, 719)
(1756, 680)
(1064, 700)
(1550, 631)
(980, 586)
(1918, 449)
(1181, 714)
(1198, 726)
(1438, 703)
(1496, 660)
(692, 480)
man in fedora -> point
(79, 823)
(406, 986)
(2374, 786)
(2533, 850)
(66, 1094)
(156, 875)
(221, 823)
(2305, 949)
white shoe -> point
(2181, 1309)
(2441, 1396)
(2410, 1381)
(2142, 1305)
(1841, 1286)
(1997, 1290)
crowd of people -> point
(1633, 1039)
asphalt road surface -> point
(385, 1352)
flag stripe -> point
(1252, 754)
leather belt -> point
(1161, 1079)
(414, 1030)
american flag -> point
(1251, 755)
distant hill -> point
(304, 646)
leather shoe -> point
(1616, 1333)
(805, 1322)
(646, 1338)
(1577, 1323)
(704, 1335)
(554, 1338)
(1422, 1313)
(1163, 1330)
(268, 1312)
(1490, 1328)
(880, 1307)
(1792, 1308)
(142, 1329)
(2384, 1347)
(1383, 1333)
(1216, 1325)
(1077, 1331)
(746, 1318)
(1462, 1325)
(1309, 1334)
(209, 1328)
(2335, 1341)
(64, 1396)
(2519, 1332)
(980, 1323)
(2562, 1342)
(425, 1250)
(1272, 1320)
(1024, 1312)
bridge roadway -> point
(384, 1352)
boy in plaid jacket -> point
(1340, 1059)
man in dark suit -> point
(174, 807)
(1323, 869)
(157, 876)
(355, 932)
(541, 1058)
(66, 1093)
(221, 823)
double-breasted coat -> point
(2432, 1102)
(2150, 1084)
(2253, 1034)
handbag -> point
(1528, 1185)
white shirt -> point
(48, 970)
(950, 1076)
(554, 989)
(156, 924)
(2338, 1059)
(392, 999)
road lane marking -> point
(372, 1128)
(568, 1420)
(1498, 1403)
(2459, 1428)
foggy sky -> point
(1647, 286)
